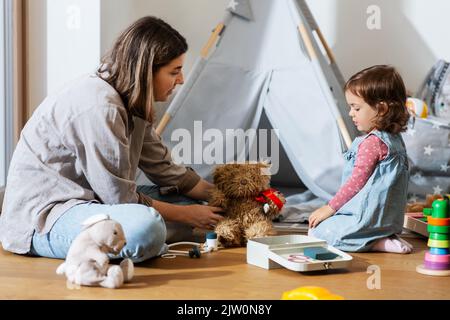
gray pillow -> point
(428, 147)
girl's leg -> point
(392, 244)
(144, 229)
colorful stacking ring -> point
(427, 212)
(439, 221)
(437, 258)
(439, 236)
(440, 251)
(438, 229)
(438, 243)
(440, 209)
(436, 265)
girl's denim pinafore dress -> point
(377, 210)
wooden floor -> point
(225, 275)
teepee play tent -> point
(268, 60)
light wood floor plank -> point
(226, 275)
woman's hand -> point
(203, 217)
(319, 215)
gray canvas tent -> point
(270, 67)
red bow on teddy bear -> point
(270, 194)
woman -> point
(79, 152)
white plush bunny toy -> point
(87, 262)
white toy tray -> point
(275, 252)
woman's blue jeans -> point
(145, 230)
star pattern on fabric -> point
(232, 5)
(428, 150)
(445, 167)
(436, 126)
(413, 198)
(437, 190)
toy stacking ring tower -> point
(437, 259)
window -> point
(2, 96)
(6, 88)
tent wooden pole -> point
(163, 123)
(307, 41)
(312, 53)
(212, 39)
(325, 45)
(204, 54)
(304, 8)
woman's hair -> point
(139, 52)
(383, 89)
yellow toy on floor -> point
(310, 293)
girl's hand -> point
(203, 217)
(319, 215)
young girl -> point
(368, 210)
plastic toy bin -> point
(276, 252)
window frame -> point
(2, 94)
(6, 87)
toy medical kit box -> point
(295, 252)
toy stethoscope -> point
(299, 258)
(197, 249)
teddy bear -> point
(87, 262)
(243, 191)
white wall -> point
(412, 35)
(73, 40)
(194, 19)
(115, 16)
(63, 42)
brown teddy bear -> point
(243, 190)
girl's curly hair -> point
(383, 89)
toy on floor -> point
(310, 293)
(197, 249)
(420, 206)
(437, 259)
(243, 190)
(87, 262)
(414, 219)
(295, 252)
